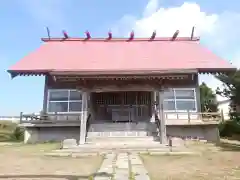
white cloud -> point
(218, 31)
(151, 8)
(167, 20)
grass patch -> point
(28, 161)
(215, 163)
(27, 149)
(10, 132)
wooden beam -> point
(122, 78)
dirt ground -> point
(27, 162)
(215, 163)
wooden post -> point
(55, 114)
(32, 116)
(21, 117)
(136, 114)
(83, 122)
(153, 105)
(189, 117)
(162, 119)
(91, 106)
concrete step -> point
(123, 142)
(166, 151)
(117, 133)
(146, 139)
(99, 127)
(121, 134)
(98, 148)
(119, 144)
(88, 150)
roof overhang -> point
(123, 72)
(15, 73)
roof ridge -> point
(121, 39)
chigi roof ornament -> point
(174, 37)
(131, 37)
(88, 35)
(48, 33)
(192, 34)
(109, 35)
(153, 35)
(65, 34)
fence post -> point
(188, 114)
(56, 116)
(21, 116)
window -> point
(64, 101)
(169, 105)
(180, 100)
(169, 94)
(185, 105)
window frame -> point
(175, 99)
(68, 101)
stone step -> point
(117, 145)
(98, 149)
(80, 151)
(118, 134)
(98, 127)
(123, 140)
(140, 151)
(124, 144)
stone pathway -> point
(137, 168)
(121, 166)
(107, 168)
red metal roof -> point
(119, 55)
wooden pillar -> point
(91, 106)
(136, 108)
(84, 118)
(162, 119)
(45, 95)
(153, 106)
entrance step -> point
(81, 152)
(124, 141)
(119, 134)
(110, 139)
(95, 148)
(110, 127)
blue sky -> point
(23, 23)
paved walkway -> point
(121, 166)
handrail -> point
(50, 118)
(180, 112)
(195, 116)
